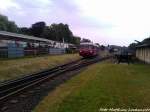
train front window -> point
(86, 47)
(83, 46)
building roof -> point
(4, 35)
(143, 45)
(13, 36)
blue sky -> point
(117, 22)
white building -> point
(143, 53)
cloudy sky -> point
(117, 22)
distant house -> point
(143, 52)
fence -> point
(13, 51)
(35, 51)
(3, 52)
(56, 51)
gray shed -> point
(143, 52)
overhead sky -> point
(118, 22)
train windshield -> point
(86, 47)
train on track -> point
(88, 49)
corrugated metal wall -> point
(3, 52)
(15, 51)
(143, 54)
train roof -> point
(88, 43)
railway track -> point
(12, 87)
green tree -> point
(25, 30)
(6, 25)
(59, 32)
(37, 29)
(12, 27)
(85, 40)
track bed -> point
(25, 98)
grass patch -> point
(13, 68)
(102, 85)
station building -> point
(18, 45)
(143, 53)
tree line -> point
(57, 32)
(6, 25)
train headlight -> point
(91, 51)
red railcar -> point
(88, 50)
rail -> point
(14, 86)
